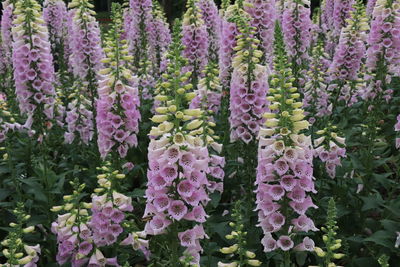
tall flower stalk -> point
(118, 113)
(209, 12)
(178, 164)
(33, 67)
(195, 40)
(285, 164)
(296, 26)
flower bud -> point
(254, 262)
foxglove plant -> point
(79, 117)
(33, 67)
(212, 20)
(178, 163)
(383, 52)
(285, 164)
(263, 15)
(238, 250)
(249, 84)
(341, 14)
(397, 129)
(349, 57)
(159, 39)
(296, 26)
(195, 41)
(138, 19)
(316, 97)
(117, 108)
(15, 250)
(7, 119)
(330, 149)
(86, 51)
(5, 29)
(56, 16)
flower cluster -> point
(159, 38)
(384, 40)
(79, 117)
(245, 257)
(329, 238)
(263, 16)
(341, 12)
(5, 30)
(249, 84)
(7, 119)
(296, 26)
(285, 163)
(33, 66)
(16, 251)
(56, 16)
(86, 51)
(195, 41)
(117, 108)
(138, 27)
(351, 49)
(316, 97)
(330, 149)
(327, 7)
(229, 32)
(209, 12)
(370, 6)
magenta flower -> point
(212, 20)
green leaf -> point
(383, 238)
(372, 202)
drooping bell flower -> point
(285, 162)
(6, 25)
(33, 67)
(341, 12)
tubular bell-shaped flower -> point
(117, 108)
(209, 12)
(178, 160)
(296, 26)
(383, 54)
(285, 161)
(370, 6)
(341, 12)
(263, 14)
(195, 41)
(249, 84)
(86, 51)
(56, 16)
(33, 66)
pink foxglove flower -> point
(33, 67)
(5, 30)
(209, 12)
(263, 15)
(285, 162)
(249, 87)
(195, 40)
(370, 6)
(397, 129)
